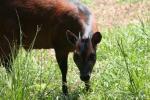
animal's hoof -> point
(65, 89)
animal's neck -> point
(88, 28)
(87, 20)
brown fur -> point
(47, 13)
(53, 17)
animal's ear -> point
(71, 37)
(96, 38)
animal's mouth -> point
(85, 78)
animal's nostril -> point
(85, 78)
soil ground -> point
(112, 13)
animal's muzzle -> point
(85, 77)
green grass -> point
(125, 65)
(86, 1)
(122, 70)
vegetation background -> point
(122, 71)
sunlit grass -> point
(122, 70)
(87, 1)
(124, 60)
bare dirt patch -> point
(111, 13)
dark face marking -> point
(85, 58)
(84, 53)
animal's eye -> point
(92, 57)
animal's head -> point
(84, 53)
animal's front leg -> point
(62, 62)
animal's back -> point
(53, 17)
